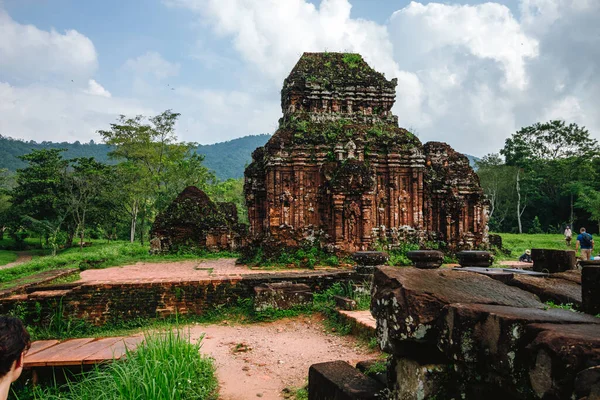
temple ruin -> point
(194, 222)
(339, 170)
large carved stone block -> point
(590, 289)
(340, 381)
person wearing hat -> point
(526, 257)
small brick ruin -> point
(340, 171)
(194, 222)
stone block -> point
(558, 354)
(590, 289)
(492, 340)
(549, 260)
(408, 303)
(556, 290)
(412, 379)
(281, 296)
(338, 380)
(370, 258)
(474, 258)
(344, 303)
(426, 259)
(587, 384)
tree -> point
(84, 184)
(549, 141)
(498, 183)
(153, 165)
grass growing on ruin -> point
(165, 366)
(518, 243)
(97, 256)
(7, 256)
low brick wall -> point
(99, 303)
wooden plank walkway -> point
(74, 352)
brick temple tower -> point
(340, 171)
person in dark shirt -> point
(14, 343)
(526, 257)
(585, 241)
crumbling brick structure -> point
(193, 221)
(341, 171)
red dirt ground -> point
(261, 360)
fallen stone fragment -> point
(559, 291)
(590, 289)
(490, 340)
(340, 381)
(408, 303)
(549, 260)
(558, 353)
(344, 303)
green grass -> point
(518, 243)
(7, 257)
(165, 366)
(97, 256)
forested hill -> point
(227, 159)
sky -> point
(470, 73)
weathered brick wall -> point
(101, 303)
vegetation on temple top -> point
(332, 69)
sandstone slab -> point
(426, 259)
(338, 380)
(556, 290)
(408, 303)
(558, 354)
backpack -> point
(586, 240)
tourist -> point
(526, 257)
(585, 241)
(14, 342)
(568, 235)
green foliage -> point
(7, 256)
(518, 243)
(536, 227)
(377, 367)
(353, 60)
(566, 306)
(398, 255)
(165, 366)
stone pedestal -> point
(366, 261)
(547, 260)
(474, 258)
(426, 259)
(590, 289)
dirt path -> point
(22, 257)
(260, 360)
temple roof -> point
(335, 69)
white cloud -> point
(470, 75)
(94, 88)
(39, 112)
(27, 52)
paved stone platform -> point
(149, 290)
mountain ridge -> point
(227, 159)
